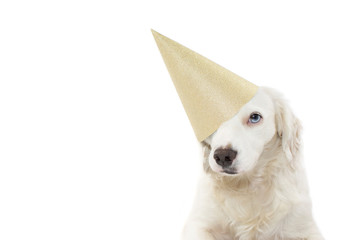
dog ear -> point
(288, 128)
(206, 149)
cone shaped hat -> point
(209, 93)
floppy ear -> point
(288, 128)
(206, 149)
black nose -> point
(224, 156)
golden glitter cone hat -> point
(209, 93)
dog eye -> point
(255, 118)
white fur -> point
(268, 198)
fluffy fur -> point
(267, 198)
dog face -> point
(237, 145)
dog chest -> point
(251, 214)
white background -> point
(94, 142)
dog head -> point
(238, 144)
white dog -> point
(254, 186)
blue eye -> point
(255, 118)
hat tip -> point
(154, 32)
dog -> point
(254, 185)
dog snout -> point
(224, 156)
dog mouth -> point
(229, 171)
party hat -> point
(209, 93)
